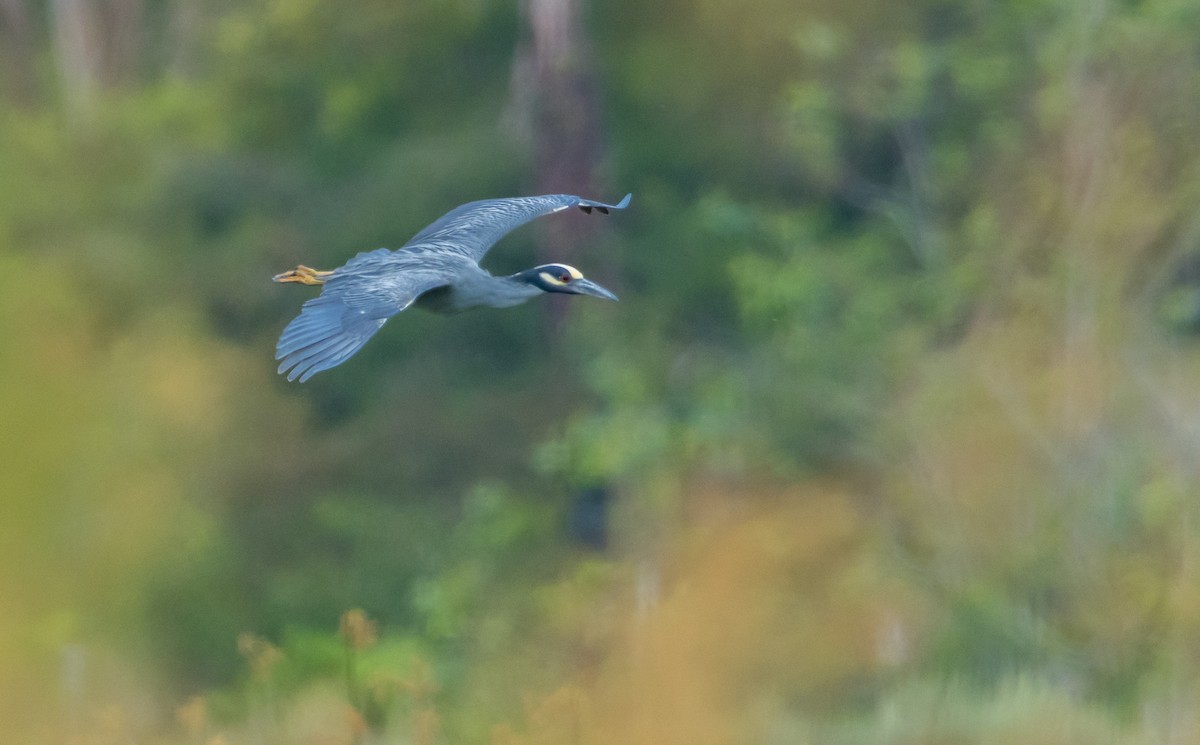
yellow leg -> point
(305, 275)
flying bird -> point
(437, 270)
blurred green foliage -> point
(891, 439)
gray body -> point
(438, 270)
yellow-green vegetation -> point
(893, 438)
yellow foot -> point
(305, 275)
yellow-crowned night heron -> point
(437, 270)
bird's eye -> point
(564, 278)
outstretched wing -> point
(355, 302)
(473, 228)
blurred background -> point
(893, 437)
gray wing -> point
(473, 228)
(355, 302)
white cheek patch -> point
(550, 279)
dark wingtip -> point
(587, 206)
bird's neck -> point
(475, 289)
(512, 290)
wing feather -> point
(473, 228)
(354, 303)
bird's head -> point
(563, 278)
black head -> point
(563, 278)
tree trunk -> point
(97, 45)
(556, 107)
(17, 75)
